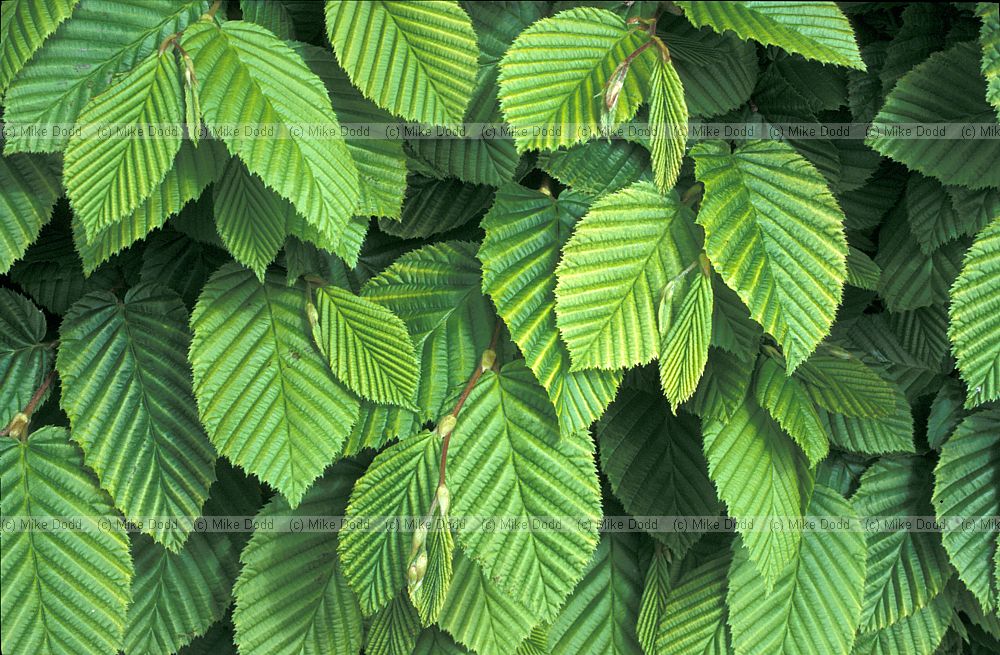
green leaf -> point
(598, 167)
(291, 596)
(436, 291)
(29, 188)
(265, 414)
(815, 30)
(920, 632)
(367, 347)
(654, 462)
(509, 460)
(554, 76)
(974, 328)
(428, 594)
(24, 359)
(177, 596)
(432, 641)
(775, 234)
(25, 26)
(393, 630)
(668, 119)
(416, 60)
(723, 386)
(108, 178)
(652, 605)
(74, 66)
(934, 220)
(600, 616)
(892, 433)
(65, 591)
(270, 14)
(862, 271)
(607, 314)
(398, 486)
(685, 324)
(480, 616)
(788, 403)
(989, 41)
(967, 485)
(381, 163)
(126, 390)
(946, 88)
(433, 206)
(277, 89)
(815, 605)
(695, 614)
(906, 568)
(839, 382)
(759, 473)
(525, 231)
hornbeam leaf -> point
(417, 59)
(291, 595)
(694, 618)
(109, 178)
(989, 40)
(24, 27)
(967, 484)
(788, 403)
(759, 473)
(265, 395)
(277, 90)
(668, 119)
(946, 88)
(839, 382)
(29, 188)
(815, 30)
(74, 65)
(685, 324)
(525, 231)
(775, 234)
(509, 460)
(796, 617)
(974, 328)
(920, 632)
(367, 347)
(24, 359)
(126, 390)
(652, 605)
(553, 77)
(398, 486)
(613, 269)
(393, 629)
(64, 591)
(429, 593)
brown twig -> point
(19, 423)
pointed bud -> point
(446, 425)
(18, 425)
(419, 537)
(415, 573)
(444, 499)
(488, 359)
(312, 314)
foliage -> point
(443, 327)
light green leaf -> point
(73, 66)
(607, 313)
(989, 41)
(906, 569)
(695, 614)
(788, 403)
(509, 460)
(192, 171)
(554, 76)
(654, 462)
(525, 231)
(974, 328)
(815, 605)
(775, 234)
(265, 414)
(25, 26)
(29, 188)
(480, 616)
(277, 89)
(652, 605)
(946, 88)
(177, 596)
(839, 382)
(399, 485)
(685, 324)
(394, 629)
(291, 595)
(668, 119)
(367, 347)
(417, 59)
(601, 614)
(126, 390)
(65, 592)
(109, 178)
(967, 485)
(759, 473)
(429, 593)
(24, 359)
(436, 291)
(815, 30)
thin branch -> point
(19, 423)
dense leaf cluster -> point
(541, 326)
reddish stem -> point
(35, 399)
